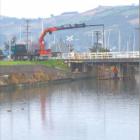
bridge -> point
(103, 62)
(106, 57)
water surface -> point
(79, 110)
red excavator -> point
(43, 51)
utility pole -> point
(134, 41)
(97, 33)
(27, 32)
(108, 40)
(20, 32)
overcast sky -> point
(44, 8)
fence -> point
(99, 55)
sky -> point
(44, 8)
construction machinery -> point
(20, 51)
(43, 51)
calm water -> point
(79, 110)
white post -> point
(105, 39)
(9, 50)
(42, 25)
(127, 46)
(20, 32)
(134, 42)
(108, 40)
(54, 39)
(129, 42)
(92, 36)
(119, 43)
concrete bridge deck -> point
(102, 57)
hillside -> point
(123, 19)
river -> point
(79, 110)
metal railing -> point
(99, 55)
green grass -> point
(53, 64)
(49, 63)
(11, 63)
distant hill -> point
(121, 20)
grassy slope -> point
(49, 63)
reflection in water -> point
(43, 107)
(80, 110)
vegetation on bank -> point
(60, 64)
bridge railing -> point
(99, 55)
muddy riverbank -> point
(32, 75)
(36, 74)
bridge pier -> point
(84, 67)
(127, 71)
(76, 67)
(104, 70)
(81, 67)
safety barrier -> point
(99, 55)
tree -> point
(9, 43)
(98, 48)
(6, 45)
(1, 53)
(13, 40)
(52, 15)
